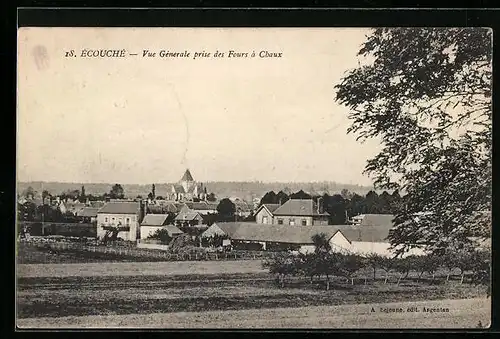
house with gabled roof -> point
(187, 217)
(264, 214)
(300, 212)
(125, 216)
(154, 222)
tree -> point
(425, 93)
(45, 195)
(226, 209)
(116, 192)
(281, 198)
(300, 195)
(336, 206)
(162, 235)
(374, 261)
(153, 191)
(346, 194)
(211, 197)
(282, 265)
(403, 266)
(29, 192)
(268, 198)
(321, 243)
(348, 266)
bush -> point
(162, 235)
(181, 241)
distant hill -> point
(242, 190)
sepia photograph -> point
(254, 178)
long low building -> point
(342, 238)
(271, 237)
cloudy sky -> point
(143, 120)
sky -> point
(138, 120)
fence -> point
(131, 253)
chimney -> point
(320, 205)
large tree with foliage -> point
(425, 93)
(117, 192)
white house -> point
(154, 222)
(124, 215)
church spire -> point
(187, 176)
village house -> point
(187, 217)
(88, 214)
(124, 215)
(300, 212)
(155, 222)
(276, 237)
(264, 214)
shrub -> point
(162, 235)
(179, 242)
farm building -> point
(246, 235)
(88, 214)
(187, 217)
(124, 215)
(154, 222)
(264, 214)
(343, 238)
(300, 212)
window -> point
(292, 222)
(280, 221)
(106, 219)
(127, 221)
(264, 219)
(304, 222)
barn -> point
(253, 236)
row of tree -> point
(325, 263)
(344, 205)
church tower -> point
(187, 181)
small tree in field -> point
(464, 262)
(433, 263)
(308, 265)
(281, 265)
(349, 265)
(450, 263)
(387, 264)
(373, 261)
(403, 266)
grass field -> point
(139, 268)
(117, 295)
(465, 313)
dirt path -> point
(139, 268)
(465, 313)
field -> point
(465, 313)
(153, 289)
(57, 289)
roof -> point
(377, 220)
(187, 176)
(187, 215)
(299, 207)
(154, 220)
(275, 233)
(178, 188)
(204, 206)
(97, 204)
(270, 207)
(88, 212)
(365, 233)
(172, 230)
(116, 207)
